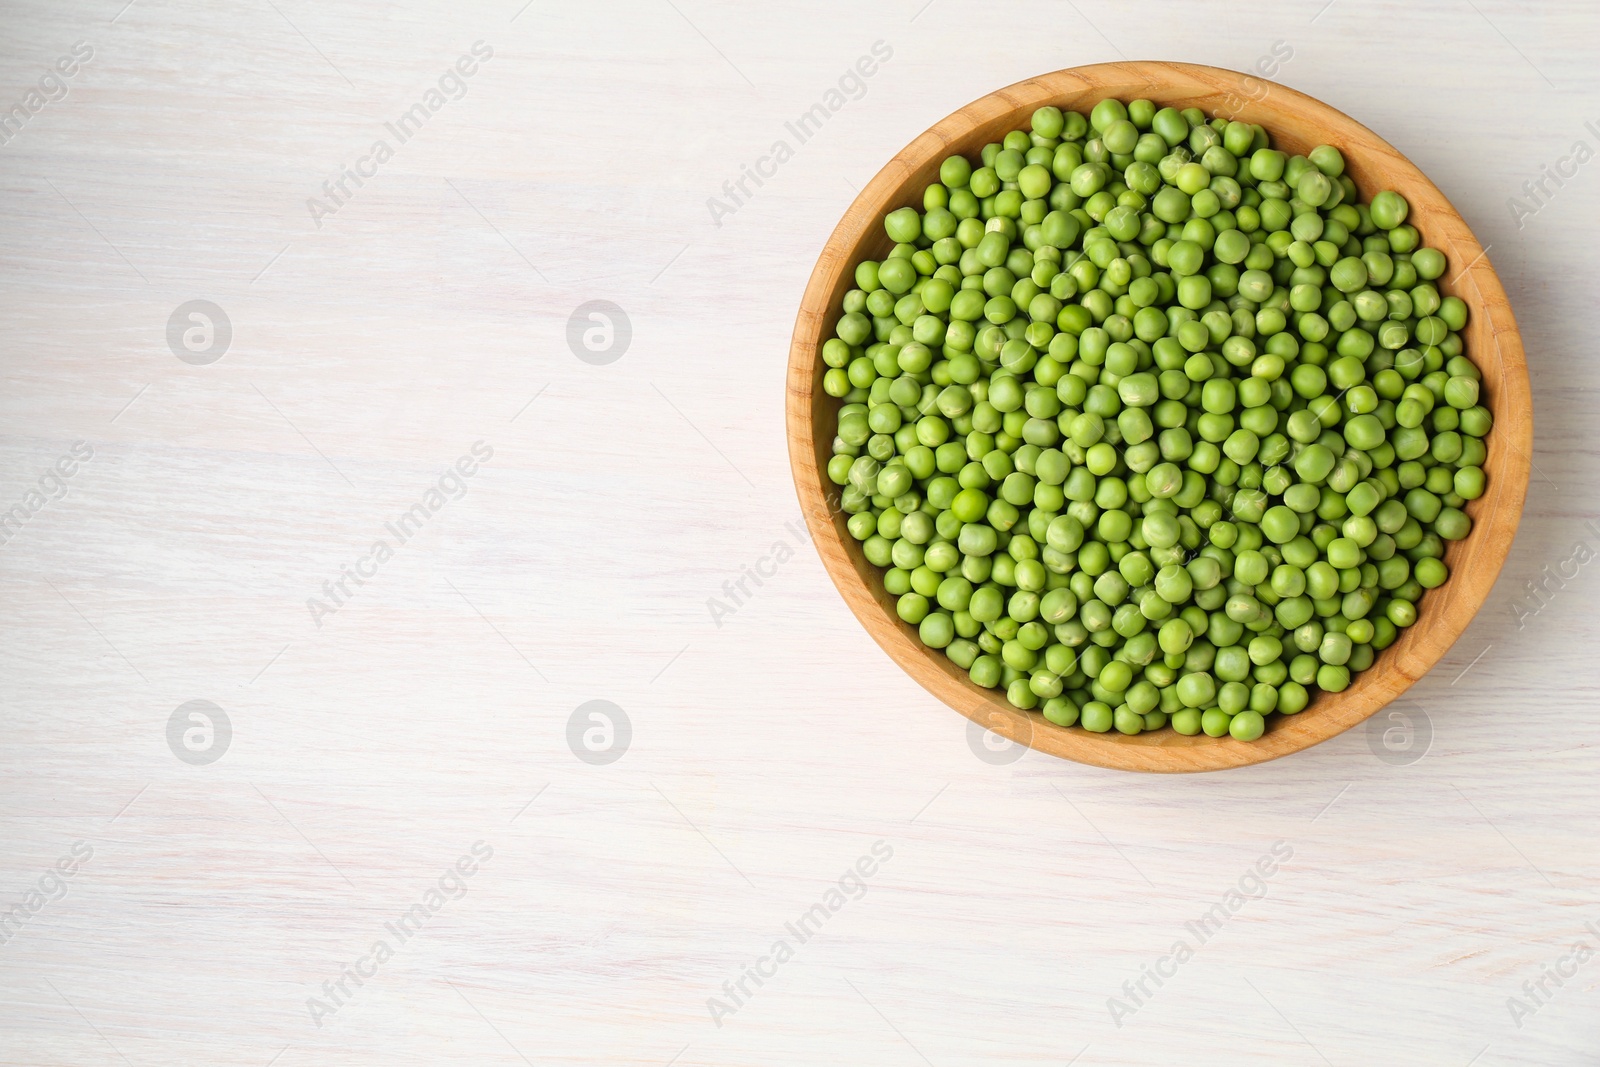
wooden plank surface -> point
(1397, 901)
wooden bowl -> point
(1297, 123)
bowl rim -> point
(1285, 112)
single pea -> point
(1314, 463)
(936, 630)
(1327, 159)
(1402, 612)
(969, 505)
(1349, 275)
(1060, 710)
(912, 607)
(986, 604)
(1115, 676)
(1314, 188)
(1186, 721)
(1452, 524)
(1280, 524)
(1461, 392)
(1021, 695)
(1247, 726)
(955, 172)
(985, 671)
(1335, 648)
(1096, 716)
(1388, 210)
(904, 225)
(1160, 530)
(1196, 690)
(1333, 678)
(1468, 482)
(1048, 122)
(1428, 262)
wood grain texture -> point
(1297, 124)
(773, 746)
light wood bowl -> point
(1297, 123)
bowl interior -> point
(1297, 123)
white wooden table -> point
(431, 706)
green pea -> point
(1388, 210)
(1175, 636)
(1452, 524)
(1333, 678)
(1364, 432)
(1348, 275)
(1280, 524)
(1096, 716)
(1335, 648)
(1186, 721)
(1197, 690)
(936, 630)
(1314, 463)
(985, 671)
(1247, 726)
(1060, 710)
(1461, 392)
(1021, 696)
(1428, 262)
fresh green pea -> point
(1247, 726)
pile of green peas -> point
(1150, 424)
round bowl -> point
(1297, 123)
